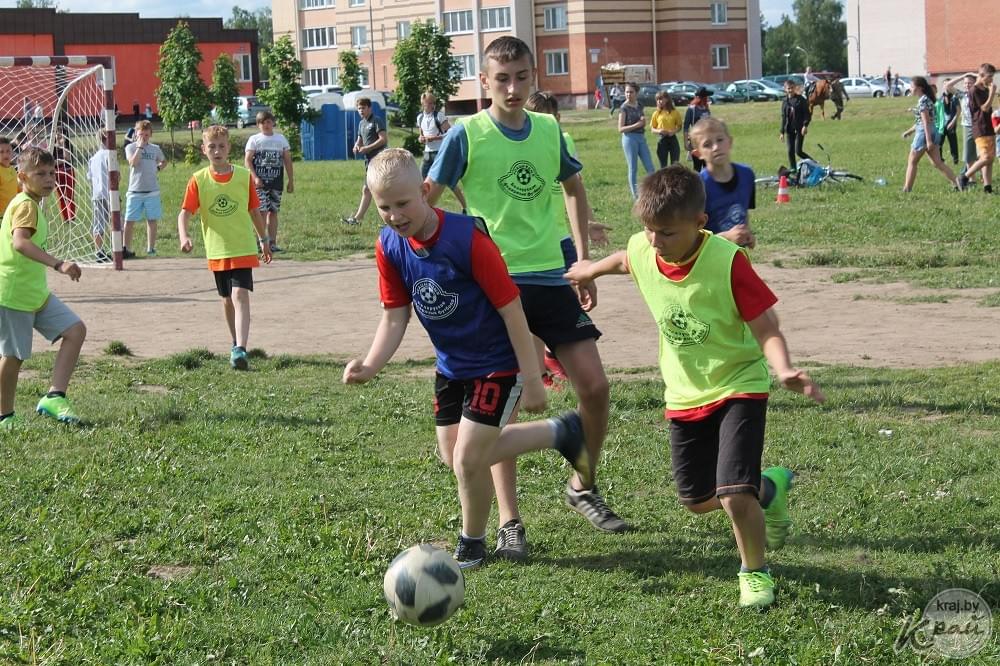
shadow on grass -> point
(518, 650)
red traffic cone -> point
(783, 190)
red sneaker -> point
(554, 367)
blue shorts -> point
(920, 140)
(139, 205)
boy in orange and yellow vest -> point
(229, 205)
(718, 332)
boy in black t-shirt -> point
(371, 141)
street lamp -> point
(857, 43)
(787, 56)
(806, 52)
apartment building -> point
(683, 39)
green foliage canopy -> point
(224, 88)
(350, 71)
(816, 37)
(181, 96)
(424, 62)
(284, 93)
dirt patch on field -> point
(163, 306)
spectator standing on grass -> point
(617, 98)
(433, 125)
(268, 156)
(697, 109)
(142, 200)
(665, 123)
(981, 108)
(98, 171)
(372, 139)
(795, 119)
(950, 106)
(632, 127)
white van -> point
(318, 90)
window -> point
(359, 35)
(319, 38)
(555, 18)
(402, 29)
(316, 4)
(355, 3)
(456, 22)
(334, 76)
(316, 77)
(557, 62)
(363, 78)
(244, 68)
(494, 18)
(719, 13)
(720, 57)
(468, 65)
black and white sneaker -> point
(470, 553)
(570, 442)
(592, 506)
(512, 543)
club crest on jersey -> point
(431, 301)
(223, 205)
(522, 181)
(681, 328)
(735, 216)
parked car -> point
(317, 90)
(781, 78)
(247, 108)
(719, 94)
(898, 90)
(755, 91)
(858, 87)
(647, 94)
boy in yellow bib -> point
(230, 217)
(718, 332)
(25, 301)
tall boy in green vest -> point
(506, 159)
(233, 231)
(718, 332)
(25, 301)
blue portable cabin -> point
(326, 137)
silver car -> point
(858, 87)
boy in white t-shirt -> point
(268, 157)
(98, 171)
(433, 125)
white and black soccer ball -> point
(424, 586)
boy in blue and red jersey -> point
(447, 267)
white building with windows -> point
(683, 39)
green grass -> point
(279, 496)
(930, 237)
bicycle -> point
(811, 173)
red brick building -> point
(133, 43)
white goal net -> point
(61, 104)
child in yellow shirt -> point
(666, 123)
(8, 174)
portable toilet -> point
(352, 119)
(325, 138)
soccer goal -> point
(61, 103)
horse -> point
(820, 93)
(838, 95)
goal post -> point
(62, 104)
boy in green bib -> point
(506, 159)
(718, 332)
(234, 232)
(25, 301)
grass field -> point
(207, 517)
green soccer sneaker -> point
(238, 359)
(10, 423)
(776, 520)
(756, 589)
(57, 407)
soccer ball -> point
(424, 586)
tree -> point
(423, 62)
(823, 32)
(780, 40)
(259, 20)
(284, 93)
(350, 71)
(182, 96)
(225, 89)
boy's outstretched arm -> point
(435, 191)
(533, 397)
(765, 329)
(182, 230)
(586, 271)
(388, 335)
(575, 195)
(21, 240)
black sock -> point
(56, 394)
(765, 569)
(242, 349)
(767, 485)
(988, 189)
(4, 417)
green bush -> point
(412, 144)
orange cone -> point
(783, 190)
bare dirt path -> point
(162, 306)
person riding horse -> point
(810, 80)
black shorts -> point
(719, 455)
(554, 315)
(237, 277)
(487, 400)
